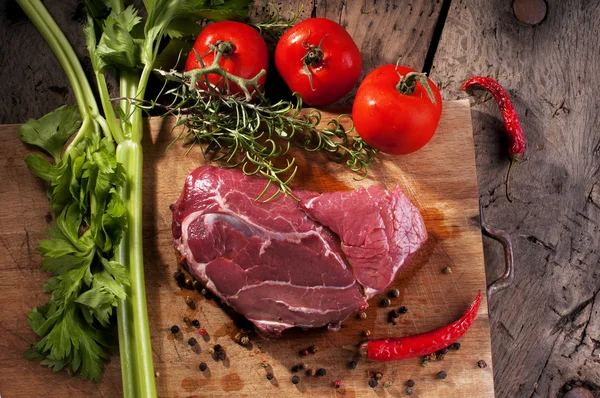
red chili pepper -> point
(421, 344)
(516, 138)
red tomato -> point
(391, 121)
(248, 57)
(324, 49)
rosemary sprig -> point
(273, 23)
(247, 131)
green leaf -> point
(41, 167)
(36, 319)
(52, 131)
(117, 46)
(32, 354)
(118, 271)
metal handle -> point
(509, 266)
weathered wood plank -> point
(546, 329)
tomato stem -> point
(408, 84)
(223, 48)
(313, 57)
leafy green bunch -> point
(94, 247)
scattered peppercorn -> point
(362, 315)
(192, 341)
(313, 349)
(337, 383)
(402, 310)
(410, 383)
(455, 346)
(196, 323)
(270, 376)
(186, 320)
(217, 347)
(378, 375)
(367, 333)
(202, 332)
(295, 380)
(174, 329)
(352, 365)
(443, 351)
(385, 302)
(482, 364)
(190, 302)
(203, 366)
(373, 382)
(179, 277)
(321, 372)
(304, 353)
(296, 368)
(196, 285)
(447, 270)
(395, 293)
(189, 284)
(311, 372)
(442, 375)
(409, 391)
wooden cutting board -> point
(441, 181)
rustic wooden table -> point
(546, 327)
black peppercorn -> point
(217, 347)
(196, 323)
(402, 310)
(385, 302)
(174, 329)
(443, 351)
(270, 376)
(352, 365)
(395, 293)
(295, 380)
(179, 278)
(455, 346)
(442, 375)
(373, 382)
(321, 372)
(202, 366)
(410, 383)
(409, 391)
(192, 341)
(482, 364)
(296, 368)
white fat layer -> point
(283, 283)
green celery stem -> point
(125, 310)
(145, 369)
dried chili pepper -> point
(420, 344)
(516, 138)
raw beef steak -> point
(279, 267)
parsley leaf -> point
(52, 131)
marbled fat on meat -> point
(279, 267)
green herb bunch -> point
(94, 247)
(248, 131)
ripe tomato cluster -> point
(396, 109)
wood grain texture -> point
(384, 31)
(546, 329)
(447, 198)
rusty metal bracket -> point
(509, 265)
